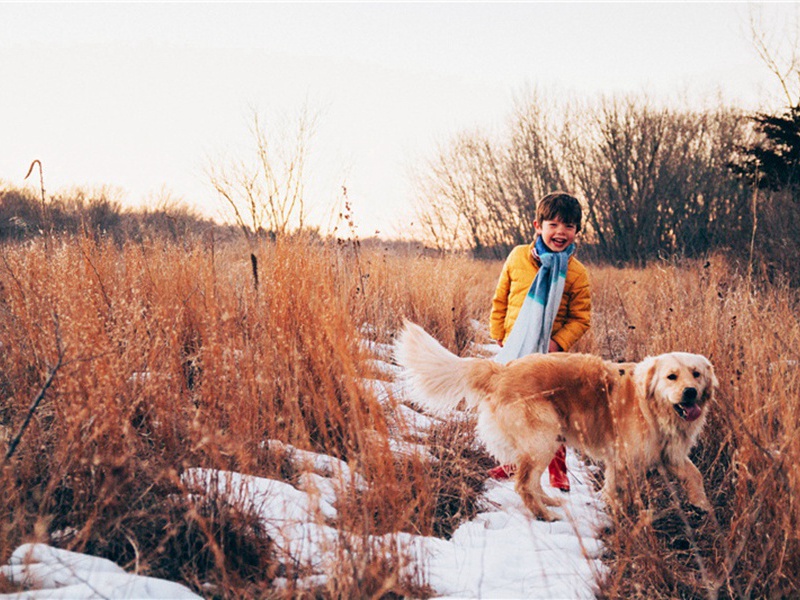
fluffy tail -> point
(438, 378)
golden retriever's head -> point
(685, 381)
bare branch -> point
(269, 191)
(782, 58)
(12, 447)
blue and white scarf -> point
(534, 324)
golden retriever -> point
(631, 416)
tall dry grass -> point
(444, 295)
(169, 356)
(166, 356)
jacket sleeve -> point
(579, 313)
(497, 319)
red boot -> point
(558, 470)
(502, 471)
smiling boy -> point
(557, 224)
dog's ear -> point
(710, 391)
(714, 380)
(651, 379)
(645, 374)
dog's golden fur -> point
(631, 416)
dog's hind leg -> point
(529, 486)
(536, 441)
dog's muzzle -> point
(687, 408)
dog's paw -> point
(610, 500)
(547, 516)
(701, 503)
(550, 501)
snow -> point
(504, 553)
(327, 466)
(501, 553)
(54, 573)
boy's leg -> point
(558, 470)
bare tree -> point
(779, 51)
(617, 168)
(655, 180)
(481, 194)
(267, 193)
(535, 165)
(454, 190)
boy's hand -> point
(553, 347)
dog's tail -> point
(439, 379)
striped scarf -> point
(534, 324)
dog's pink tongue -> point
(693, 412)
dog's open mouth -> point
(688, 411)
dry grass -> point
(749, 453)
(172, 358)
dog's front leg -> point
(609, 491)
(691, 478)
(614, 479)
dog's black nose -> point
(689, 394)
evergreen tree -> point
(774, 161)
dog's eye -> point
(672, 376)
(696, 374)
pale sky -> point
(142, 96)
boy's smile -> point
(556, 234)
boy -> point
(548, 289)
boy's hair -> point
(562, 206)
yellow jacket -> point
(519, 270)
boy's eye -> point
(557, 224)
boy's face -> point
(556, 234)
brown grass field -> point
(166, 356)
